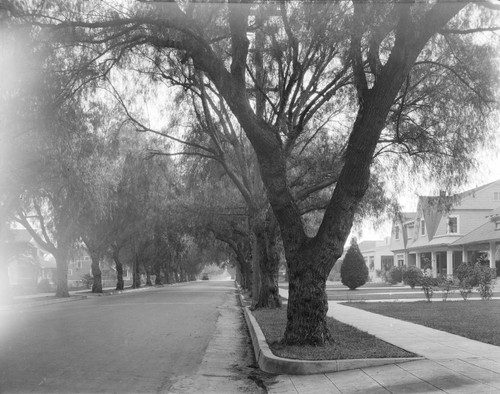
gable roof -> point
(484, 233)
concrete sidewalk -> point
(454, 364)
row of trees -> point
(76, 175)
(316, 103)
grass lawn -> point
(479, 320)
(350, 343)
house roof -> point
(495, 212)
(407, 216)
(366, 245)
(470, 192)
(483, 233)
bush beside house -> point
(354, 272)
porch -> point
(445, 260)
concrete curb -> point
(42, 302)
(270, 363)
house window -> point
(496, 196)
(70, 272)
(452, 225)
(396, 235)
(422, 227)
(497, 225)
(87, 258)
(401, 260)
(410, 231)
(79, 264)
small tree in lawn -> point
(354, 271)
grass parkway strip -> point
(478, 320)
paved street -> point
(157, 340)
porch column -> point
(449, 263)
(434, 264)
(419, 260)
(465, 258)
(492, 254)
(407, 259)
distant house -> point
(27, 265)
(448, 230)
(81, 263)
(23, 264)
(377, 254)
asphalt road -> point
(139, 342)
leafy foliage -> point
(394, 275)
(412, 276)
(354, 272)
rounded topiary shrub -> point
(354, 272)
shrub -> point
(485, 277)
(394, 275)
(44, 286)
(446, 285)
(465, 272)
(478, 275)
(354, 272)
(412, 276)
(87, 280)
(427, 282)
(465, 288)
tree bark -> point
(61, 256)
(119, 269)
(307, 298)
(96, 272)
(148, 278)
(266, 265)
(136, 275)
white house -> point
(447, 230)
(377, 254)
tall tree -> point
(382, 44)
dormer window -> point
(422, 227)
(396, 233)
(452, 225)
(410, 230)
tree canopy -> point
(322, 90)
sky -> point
(488, 171)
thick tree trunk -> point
(119, 269)
(148, 279)
(96, 273)
(158, 277)
(136, 275)
(307, 299)
(61, 257)
(266, 264)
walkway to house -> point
(454, 364)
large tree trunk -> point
(96, 272)
(307, 299)
(61, 257)
(136, 273)
(119, 269)
(148, 278)
(266, 264)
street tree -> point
(381, 45)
